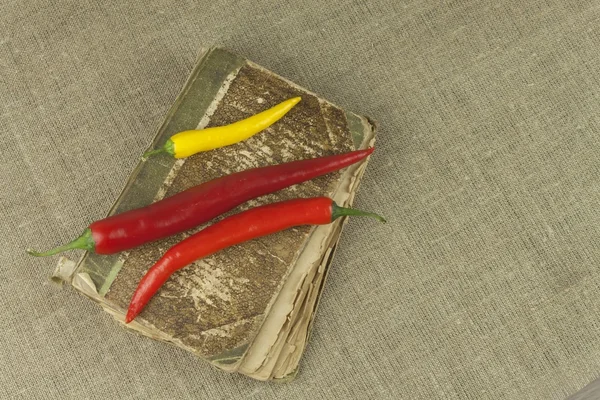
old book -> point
(249, 308)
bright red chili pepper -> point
(199, 204)
(238, 228)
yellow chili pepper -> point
(187, 143)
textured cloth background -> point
(484, 285)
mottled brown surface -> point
(229, 292)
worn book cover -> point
(248, 308)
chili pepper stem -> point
(85, 242)
(168, 147)
(150, 153)
(338, 211)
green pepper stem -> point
(169, 148)
(85, 242)
(150, 153)
(338, 211)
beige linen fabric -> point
(484, 284)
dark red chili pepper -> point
(199, 204)
(238, 228)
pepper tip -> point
(129, 317)
(132, 311)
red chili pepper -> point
(199, 204)
(238, 228)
